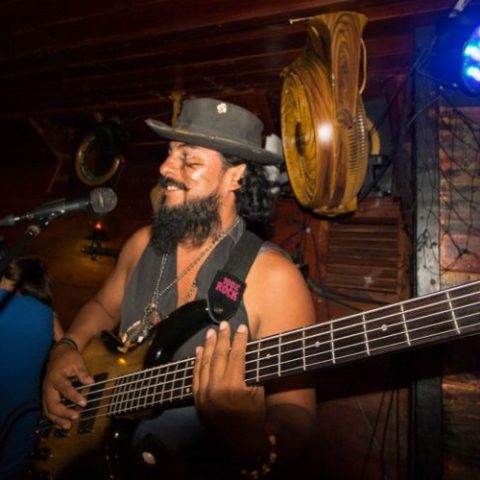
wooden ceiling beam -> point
(164, 19)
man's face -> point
(193, 180)
(191, 173)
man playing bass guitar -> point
(212, 183)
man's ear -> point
(236, 175)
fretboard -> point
(430, 319)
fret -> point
(452, 311)
(279, 358)
(151, 388)
(304, 351)
(117, 407)
(405, 327)
(365, 335)
(179, 380)
(292, 357)
(257, 361)
(318, 346)
(385, 329)
(140, 393)
(173, 382)
(143, 395)
(466, 302)
(162, 385)
(429, 317)
(348, 338)
(168, 379)
(186, 388)
(332, 343)
(157, 385)
(140, 390)
(132, 387)
(124, 396)
(267, 359)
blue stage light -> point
(471, 62)
(455, 57)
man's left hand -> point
(221, 394)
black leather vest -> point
(140, 288)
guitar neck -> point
(430, 319)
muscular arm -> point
(102, 312)
(277, 300)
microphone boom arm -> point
(30, 233)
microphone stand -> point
(30, 233)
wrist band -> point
(266, 468)
(67, 341)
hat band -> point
(211, 132)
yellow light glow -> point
(325, 132)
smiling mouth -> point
(172, 185)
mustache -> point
(170, 182)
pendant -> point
(150, 316)
(139, 330)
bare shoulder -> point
(274, 262)
(277, 297)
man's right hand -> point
(64, 366)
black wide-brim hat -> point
(220, 126)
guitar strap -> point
(226, 290)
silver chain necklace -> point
(139, 330)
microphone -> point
(100, 200)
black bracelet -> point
(67, 341)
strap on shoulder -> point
(225, 292)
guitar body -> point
(64, 454)
(95, 445)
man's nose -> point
(168, 167)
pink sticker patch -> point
(229, 288)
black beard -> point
(194, 221)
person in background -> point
(212, 182)
(26, 326)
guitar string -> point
(126, 409)
(95, 392)
(251, 352)
(326, 333)
(283, 353)
(151, 402)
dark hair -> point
(30, 277)
(254, 199)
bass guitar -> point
(144, 379)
